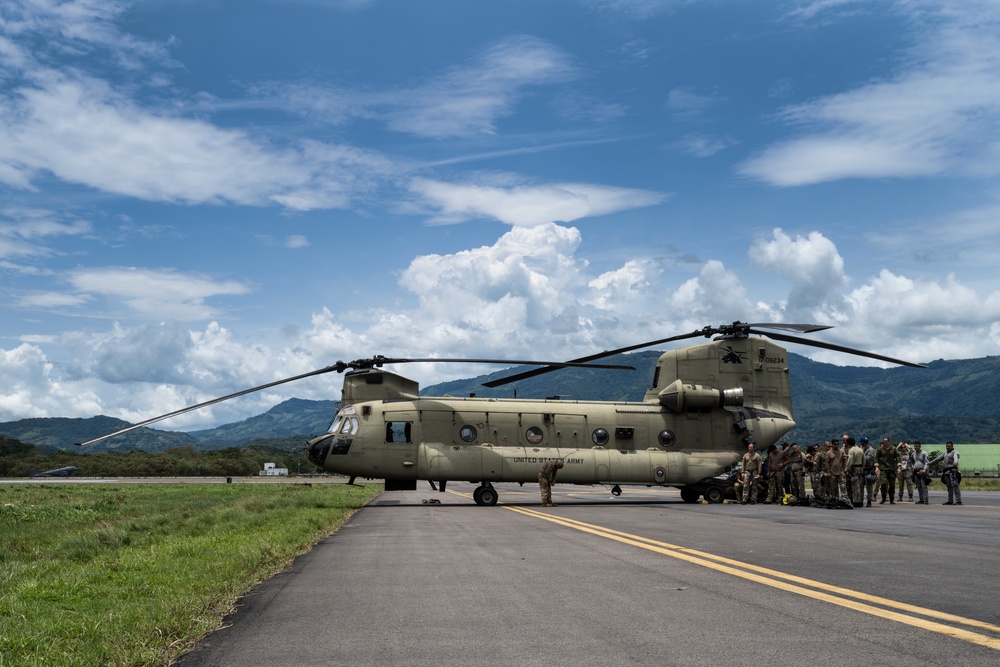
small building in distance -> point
(270, 471)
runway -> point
(635, 580)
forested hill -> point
(950, 400)
(295, 418)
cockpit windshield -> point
(344, 425)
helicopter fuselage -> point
(684, 432)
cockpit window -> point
(335, 426)
(350, 426)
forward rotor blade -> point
(800, 328)
(582, 360)
(339, 367)
(841, 348)
(518, 362)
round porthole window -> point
(468, 433)
(667, 438)
(600, 436)
(534, 435)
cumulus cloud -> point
(937, 115)
(527, 205)
(811, 263)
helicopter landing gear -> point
(715, 494)
(485, 495)
(616, 490)
(689, 495)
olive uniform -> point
(904, 473)
(886, 458)
(546, 478)
(751, 468)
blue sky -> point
(198, 197)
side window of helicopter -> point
(667, 438)
(350, 426)
(397, 431)
(534, 435)
(468, 433)
(600, 436)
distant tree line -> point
(18, 458)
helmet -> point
(864, 438)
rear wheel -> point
(715, 494)
(689, 495)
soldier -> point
(855, 470)
(821, 470)
(951, 476)
(546, 478)
(835, 461)
(886, 460)
(796, 468)
(775, 462)
(918, 463)
(868, 470)
(750, 472)
(904, 472)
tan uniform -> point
(751, 468)
(835, 461)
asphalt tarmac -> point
(639, 579)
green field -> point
(133, 574)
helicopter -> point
(705, 405)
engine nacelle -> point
(681, 397)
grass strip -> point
(135, 574)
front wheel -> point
(485, 495)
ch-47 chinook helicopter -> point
(706, 403)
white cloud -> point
(811, 263)
(157, 294)
(700, 145)
(687, 104)
(528, 205)
(937, 115)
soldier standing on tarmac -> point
(951, 476)
(904, 472)
(835, 461)
(855, 470)
(869, 470)
(750, 471)
(886, 459)
(918, 461)
(796, 467)
(775, 461)
(546, 478)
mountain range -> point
(950, 400)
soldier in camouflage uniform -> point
(775, 462)
(546, 478)
(918, 462)
(855, 470)
(904, 473)
(835, 461)
(886, 460)
(750, 471)
(868, 470)
(796, 468)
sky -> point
(200, 196)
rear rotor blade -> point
(600, 355)
(841, 348)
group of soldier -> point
(845, 473)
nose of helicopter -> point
(318, 448)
